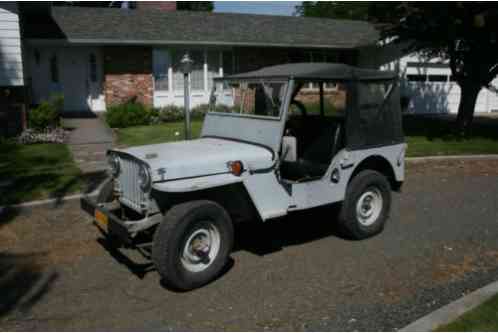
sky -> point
(256, 7)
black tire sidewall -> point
(361, 183)
(174, 231)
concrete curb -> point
(452, 311)
(47, 202)
(409, 160)
(450, 158)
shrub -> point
(199, 111)
(170, 113)
(47, 114)
(129, 114)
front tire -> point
(366, 206)
(192, 244)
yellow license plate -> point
(101, 219)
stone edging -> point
(452, 311)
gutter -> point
(105, 41)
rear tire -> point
(366, 206)
(192, 244)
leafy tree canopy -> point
(200, 6)
(464, 33)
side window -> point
(334, 100)
(372, 110)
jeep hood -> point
(200, 157)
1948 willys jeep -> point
(276, 140)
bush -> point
(170, 113)
(47, 114)
(130, 114)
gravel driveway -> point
(291, 274)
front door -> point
(74, 79)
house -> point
(427, 84)
(98, 57)
(432, 89)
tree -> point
(465, 33)
(350, 10)
(199, 6)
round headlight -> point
(144, 178)
(114, 164)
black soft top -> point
(314, 71)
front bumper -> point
(115, 226)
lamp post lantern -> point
(186, 66)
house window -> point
(197, 74)
(213, 67)
(54, 69)
(93, 68)
(37, 57)
(161, 64)
(416, 77)
(228, 63)
(438, 78)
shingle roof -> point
(315, 71)
(112, 25)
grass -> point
(429, 136)
(483, 318)
(38, 171)
(425, 136)
(144, 135)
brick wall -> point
(128, 75)
(165, 6)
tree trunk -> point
(468, 98)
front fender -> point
(196, 183)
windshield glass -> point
(258, 98)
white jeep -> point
(277, 140)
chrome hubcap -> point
(201, 248)
(369, 207)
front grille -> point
(131, 194)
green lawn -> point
(483, 318)
(38, 171)
(425, 136)
(143, 135)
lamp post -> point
(186, 65)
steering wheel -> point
(300, 106)
(293, 125)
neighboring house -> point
(427, 83)
(97, 57)
(432, 89)
(11, 70)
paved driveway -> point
(293, 274)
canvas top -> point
(315, 71)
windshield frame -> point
(221, 80)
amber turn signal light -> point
(235, 167)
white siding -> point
(426, 82)
(11, 67)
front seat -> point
(317, 156)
